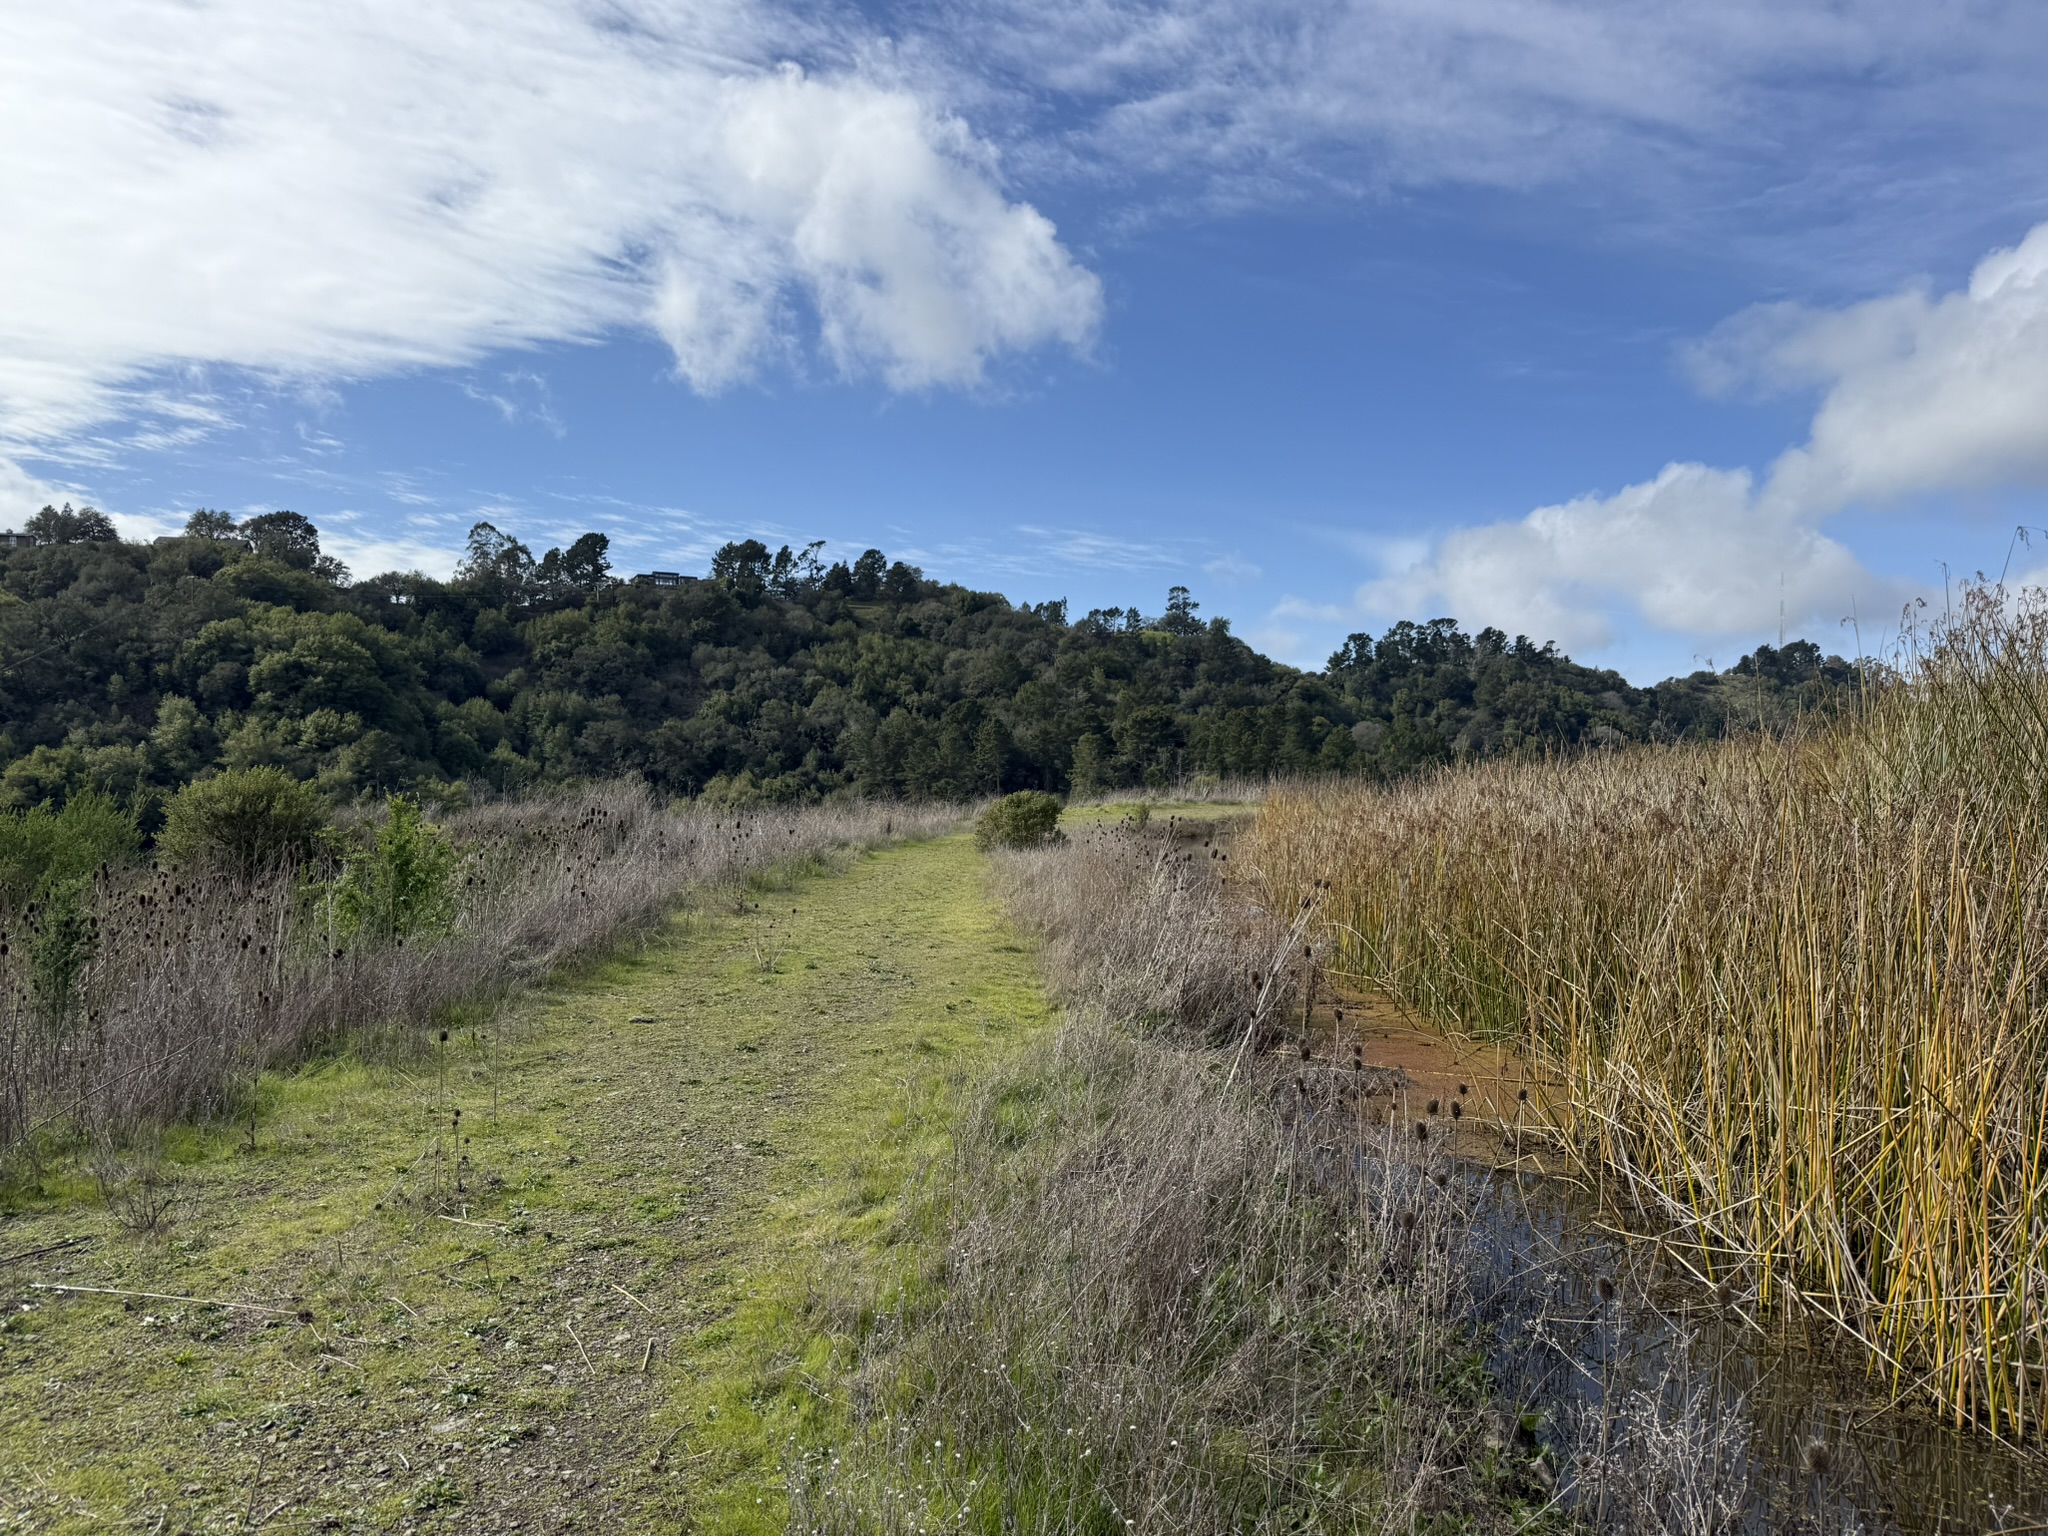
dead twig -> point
(580, 1349)
(634, 1299)
(1267, 994)
(196, 1301)
(36, 1253)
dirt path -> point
(554, 1280)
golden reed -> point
(1795, 991)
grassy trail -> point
(582, 1303)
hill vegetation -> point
(131, 668)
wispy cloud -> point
(1039, 549)
(324, 194)
(1804, 114)
(520, 395)
(1231, 568)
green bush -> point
(244, 822)
(1022, 820)
(61, 945)
(403, 885)
(41, 849)
(52, 775)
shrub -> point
(42, 848)
(404, 884)
(1022, 820)
(244, 822)
(52, 775)
(61, 945)
(181, 1007)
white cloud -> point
(143, 526)
(322, 192)
(1282, 644)
(1694, 551)
(519, 395)
(369, 554)
(890, 218)
(23, 495)
(1292, 607)
(1921, 395)
(1232, 568)
(1045, 548)
(1265, 95)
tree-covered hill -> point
(133, 667)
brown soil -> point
(1484, 1102)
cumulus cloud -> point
(1694, 551)
(1920, 394)
(890, 218)
(323, 192)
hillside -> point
(132, 667)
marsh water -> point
(1708, 1412)
(1715, 1417)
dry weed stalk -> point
(138, 1190)
(1794, 988)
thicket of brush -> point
(1795, 990)
(152, 994)
(1171, 1301)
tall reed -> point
(1795, 992)
(193, 983)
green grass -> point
(697, 1182)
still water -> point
(1770, 1429)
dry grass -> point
(1192, 789)
(1170, 1302)
(1793, 989)
(196, 986)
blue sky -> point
(1627, 325)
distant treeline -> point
(134, 667)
